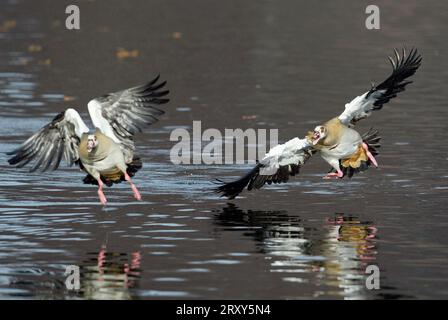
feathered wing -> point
(121, 114)
(362, 106)
(60, 138)
(277, 166)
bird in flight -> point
(106, 154)
(342, 147)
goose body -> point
(105, 154)
(338, 143)
(105, 160)
(341, 142)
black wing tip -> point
(10, 153)
(232, 189)
(412, 59)
(153, 81)
(161, 101)
(149, 86)
(156, 80)
(224, 192)
(60, 116)
(218, 181)
(18, 156)
(16, 164)
(152, 92)
(404, 65)
(223, 189)
(157, 77)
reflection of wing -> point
(47, 146)
(362, 106)
(277, 166)
(121, 114)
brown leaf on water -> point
(69, 98)
(7, 25)
(45, 62)
(34, 48)
(122, 53)
(176, 35)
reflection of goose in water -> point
(110, 275)
(349, 248)
(335, 253)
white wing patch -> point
(360, 107)
(99, 121)
(291, 152)
(72, 116)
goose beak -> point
(316, 137)
(90, 145)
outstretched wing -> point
(60, 138)
(277, 166)
(121, 114)
(362, 106)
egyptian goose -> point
(107, 154)
(336, 141)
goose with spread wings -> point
(107, 153)
(336, 141)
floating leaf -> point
(125, 54)
(34, 48)
(45, 62)
(177, 35)
(8, 25)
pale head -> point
(320, 132)
(92, 142)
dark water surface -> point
(235, 64)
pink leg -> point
(371, 157)
(100, 193)
(334, 175)
(136, 258)
(101, 260)
(134, 188)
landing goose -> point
(107, 153)
(336, 141)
